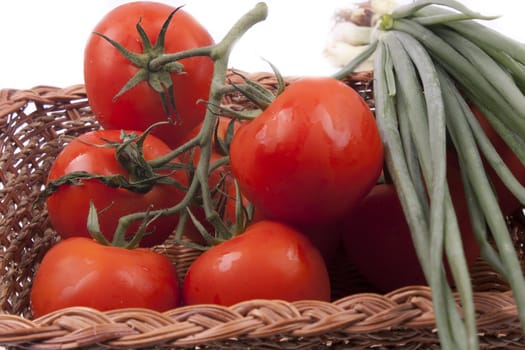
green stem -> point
(479, 225)
(410, 9)
(410, 150)
(512, 140)
(517, 69)
(488, 204)
(441, 203)
(499, 78)
(387, 122)
(432, 161)
(447, 18)
(464, 72)
(356, 61)
(220, 55)
(160, 61)
(483, 36)
(218, 52)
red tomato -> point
(326, 237)
(311, 156)
(68, 207)
(508, 202)
(378, 242)
(81, 272)
(106, 71)
(270, 260)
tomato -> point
(106, 71)
(311, 156)
(378, 242)
(326, 237)
(68, 207)
(270, 260)
(508, 202)
(81, 272)
(382, 250)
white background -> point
(42, 42)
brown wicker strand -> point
(372, 315)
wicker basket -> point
(36, 123)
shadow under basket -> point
(34, 126)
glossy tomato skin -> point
(68, 207)
(377, 240)
(270, 260)
(81, 272)
(106, 71)
(311, 156)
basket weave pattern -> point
(35, 124)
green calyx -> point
(159, 79)
(119, 239)
(141, 176)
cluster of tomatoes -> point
(309, 164)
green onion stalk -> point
(430, 58)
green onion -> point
(485, 37)
(414, 208)
(410, 9)
(429, 60)
(465, 73)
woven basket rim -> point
(401, 317)
(405, 313)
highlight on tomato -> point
(270, 260)
(116, 187)
(79, 271)
(123, 90)
(311, 156)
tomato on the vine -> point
(223, 193)
(311, 156)
(270, 260)
(68, 207)
(221, 181)
(107, 71)
(79, 271)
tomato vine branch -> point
(219, 53)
